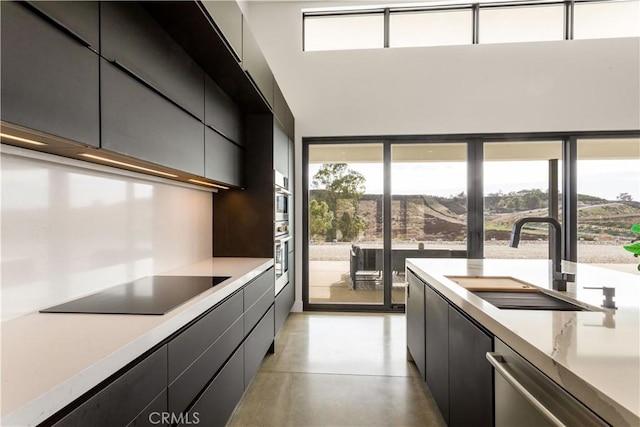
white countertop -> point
(50, 359)
(593, 355)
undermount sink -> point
(508, 293)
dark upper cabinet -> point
(131, 37)
(470, 374)
(49, 79)
(223, 160)
(280, 107)
(437, 349)
(138, 122)
(221, 113)
(80, 18)
(290, 124)
(282, 111)
(415, 322)
(227, 16)
(256, 65)
(280, 149)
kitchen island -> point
(49, 360)
(593, 355)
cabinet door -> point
(279, 104)
(191, 382)
(80, 17)
(223, 160)
(217, 402)
(437, 349)
(221, 113)
(228, 18)
(120, 402)
(470, 374)
(130, 36)
(257, 344)
(254, 62)
(49, 80)
(138, 122)
(284, 302)
(415, 322)
(198, 337)
(280, 149)
(152, 413)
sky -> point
(602, 178)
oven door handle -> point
(283, 239)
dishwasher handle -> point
(498, 362)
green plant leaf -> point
(633, 248)
(635, 228)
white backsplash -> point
(68, 231)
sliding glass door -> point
(345, 224)
(428, 205)
(608, 199)
(521, 179)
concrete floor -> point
(338, 370)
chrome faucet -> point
(559, 279)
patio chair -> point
(356, 271)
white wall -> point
(517, 87)
(69, 231)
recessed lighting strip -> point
(17, 138)
(208, 183)
(115, 162)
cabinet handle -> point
(150, 86)
(57, 24)
(497, 361)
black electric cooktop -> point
(149, 295)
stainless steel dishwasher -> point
(524, 396)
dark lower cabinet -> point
(437, 352)
(216, 404)
(453, 356)
(193, 342)
(196, 377)
(284, 302)
(470, 375)
(188, 385)
(257, 344)
(123, 400)
(138, 122)
(415, 309)
(49, 80)
(152, 413)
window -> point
(521, 24)
(608, 183)
(599, 20)
(533, 168)
(341, 32)
(430, 28)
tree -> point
(343, 188)
(320, 218)
(624, 197)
